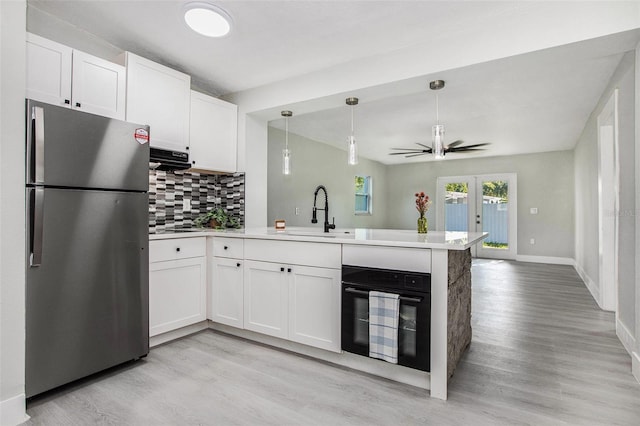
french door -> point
(481, 203)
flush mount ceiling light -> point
(207, 19)
(286, 154)
(352, 147)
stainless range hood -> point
(164, 159)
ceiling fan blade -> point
(474, 145)
(467, 150)
(455, 143)
(407, 149)
(421, 144)
(405, 153)
(415, 155)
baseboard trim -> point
(13, 411)
(176, 334)
(589, 283)
(545, 259)
(635, 365)
(625, 336)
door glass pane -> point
(363, 195)
(456, 207)
(361, 320)
(495, 207)
(407, 330)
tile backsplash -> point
(169, 189)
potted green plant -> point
(216, 218)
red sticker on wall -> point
(141, 135)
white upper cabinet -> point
(213, 134)
(48, 71)
(60, 75)
(160, 97)
(99, 86)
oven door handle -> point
(366, 293)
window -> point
(363, 195)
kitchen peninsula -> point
(283, 288)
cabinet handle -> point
(67, 101)
(186, 147)
(238, 264)
(193, 162)
(288, 269)
(282, 269)
(78, 104)
(225, 247)
(177, 248)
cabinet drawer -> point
(324, 255)
(228, 247)
(176, 248)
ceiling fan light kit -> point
(352, 147)
(437, 148)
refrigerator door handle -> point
(37, 218)
(37, 115)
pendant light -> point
(286, 154)
(437, 130)
(352, 147)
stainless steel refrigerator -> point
(87, 256)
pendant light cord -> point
(352, 120)
(286, 133)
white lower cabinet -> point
(226, 291)
(314, 307)
(266, 298)
(177, 284)
(298, 303)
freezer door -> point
(87, 296)
(70, 148)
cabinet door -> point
(314, 307)
(98, 86)
(265, 298)
(213, 133)
(177, 294)
(160, 97)
(226, 291)
(48, 71)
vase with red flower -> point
(422, 205)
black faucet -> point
(314, 219)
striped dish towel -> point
(384, 310)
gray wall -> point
(12, 222)
(314, 164)
(586, 192)
(545, 181)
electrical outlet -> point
(533, 210)
(186, 204)
(532, 241)
(297, 211)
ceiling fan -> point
(452, 147)
(438, 148)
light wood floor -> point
(542, 353)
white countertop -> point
(379, 237)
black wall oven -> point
(414, 329)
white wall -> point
(313, 164)
(12, 223)
(545, 181)
(635, 358)
(586, 198)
